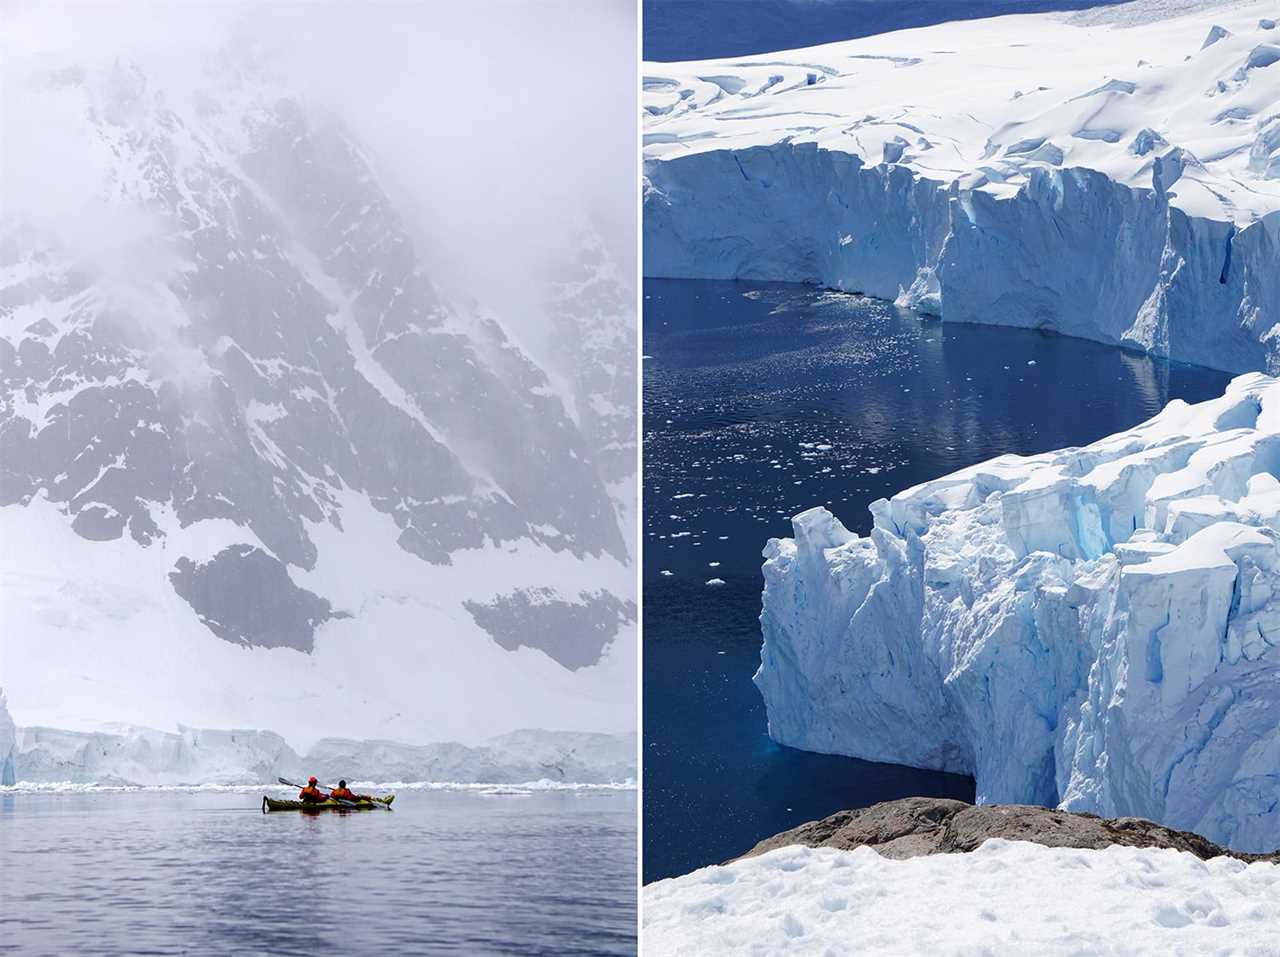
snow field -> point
(1007, 897)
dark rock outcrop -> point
(912, 827)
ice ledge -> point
(1069, 250)
(1095, 628)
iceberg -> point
(1041, 192)
(1094, 628)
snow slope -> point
(1003, 898)
(1112, 174)
(258, 470)
(1096, 628)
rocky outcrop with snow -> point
(1096, 629)
(916, 826)
(1128, 192)
(259, 470)
(191, 756)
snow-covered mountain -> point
(257, 470)
(1094, 628)
(1112, 173)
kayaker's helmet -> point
(312, 779)
(342, 784)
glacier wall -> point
(1070, 250)
(1095, 628)
(131, 756)
(8, 743)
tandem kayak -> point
(274, 804)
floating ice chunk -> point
(924, 295)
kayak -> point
(274, 804)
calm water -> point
(761, 400)
(208, 873)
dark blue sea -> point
(704, 29)
(762, 400)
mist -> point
(497, 129)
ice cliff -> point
(1113, 174)
(8, 744)
(126, 756)
(1096, 628)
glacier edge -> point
(1095, 628)
(1155, 278)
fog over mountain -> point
(317, 369)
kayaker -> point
(344, 792)
(312, 794)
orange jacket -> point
(344, 793)
(311, 794)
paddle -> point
(343, 801)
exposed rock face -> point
(267, 426)
(317, 340)
(913, 827)
(573, 632)
(245, 596)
